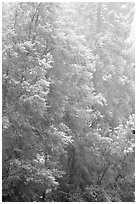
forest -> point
(68, 102)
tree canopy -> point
(68, 109)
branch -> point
(32, 18)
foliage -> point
(68, 102)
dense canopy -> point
(68, 92)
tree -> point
(68, 102)
(30, 158)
